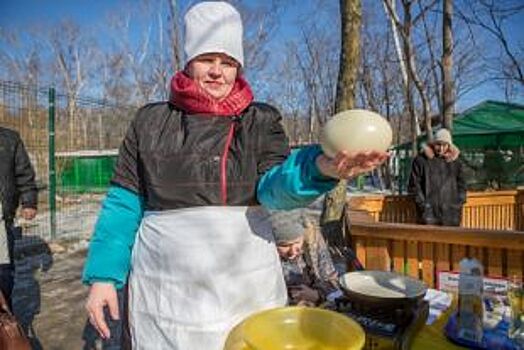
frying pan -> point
(382, 288)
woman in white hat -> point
(182, 224)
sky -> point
(24, 13)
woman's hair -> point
(240, 70)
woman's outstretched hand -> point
(347, 165)
(102, 294)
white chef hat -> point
(213, 26)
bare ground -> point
(60, 324)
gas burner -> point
(390, 327)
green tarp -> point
(490, 125)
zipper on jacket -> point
(223, 161)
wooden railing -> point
(498, 210)
(421, 251)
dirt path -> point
(62, 318)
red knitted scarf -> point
(187, 96)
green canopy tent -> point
(490, 125)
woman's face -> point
(215, 73)
(440, 148)
(291, 249)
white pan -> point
(381, 287)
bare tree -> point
(431, 42)
(380, 79)
(147, 58)
(21, 59)
(335, 202)
(116, 88)
(351, 21)
(22, 62)
(405, 29)
(463, 65)
(290, 95)
(492, 16)
(316, 67)
(174, 36)
(142, 74)
(309, 68)
(261, 20)
(73, 55)
(448, 90)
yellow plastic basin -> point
(293, 328)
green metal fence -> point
(73, 143)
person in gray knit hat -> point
(308, 270)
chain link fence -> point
(73, 143)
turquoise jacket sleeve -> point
(109, 256)
(295, 183)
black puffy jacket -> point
(439, 188)
(17, 177)
(175, 160)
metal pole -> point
(52, 165)
(401, 170)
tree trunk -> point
(448, 88)
(351, 19)
(406, 62)
(437, 81)
(334, 208)
(177, 57)
(407, 55)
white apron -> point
(196, 272)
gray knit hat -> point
(287, 225)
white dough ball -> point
(355, 130)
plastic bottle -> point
(470, 308)
(516, 302)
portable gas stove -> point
(386, 327)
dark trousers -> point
(6, 281)
(7, 271)
(120, 338)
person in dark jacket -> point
(437, 181)
(182, 224)
(17, 186)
